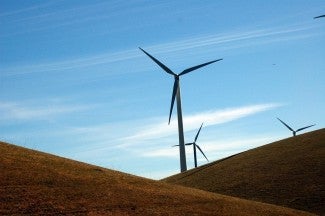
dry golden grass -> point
(289, 173)
(35, 183)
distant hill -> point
(35, 183)
(289, 173)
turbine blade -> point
(286, 125)
(197, 67)
(173, 99)
(175, 145)
(189, 143)
(164, 67)
(305, 127)
(201, 151)
(198, 133)
(319, 16)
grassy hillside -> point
(35, 183)
(289, 172)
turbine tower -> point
(294, 131)
(196, 146)
(177, 94)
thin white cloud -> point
(72, 15)
(153, 133)
(163, 152)
(215, 149)
(159, 174)
(21, 111)
(29, 9)
(191, 122)
(72, 63)
(229, 40)
(256, 35)
(234, 144)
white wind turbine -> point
(177, 94)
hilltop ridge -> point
(36, 183)
(289, 172)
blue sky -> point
(74, 83)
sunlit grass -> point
(36, 183)
(289, 172)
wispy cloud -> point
(191, 122)
(142, 138)
(159, 174)
(163, 152)
(82, 62)
(28, 9)
(215, 148)
(71, 15)
(21, 111)
(152, 133)
(233, 37)
(225, 41)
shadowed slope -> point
(289, 172)
(36, 183)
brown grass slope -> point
(35, 183)
(289, 173)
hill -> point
(289, 173)
(35, 183)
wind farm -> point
(86, 87)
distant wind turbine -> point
(177, 94)
(319, 16)
(196, 146)
(294, 131)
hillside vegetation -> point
(288, 172)
(35, 183)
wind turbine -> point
(319, 16)
(294, 131)
(177, 94)
(196, 146)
